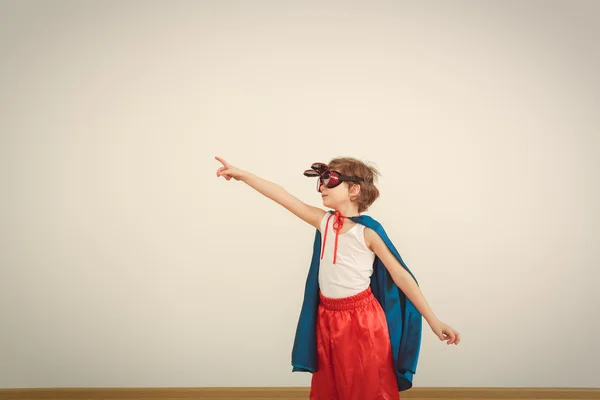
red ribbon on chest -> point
(338, 223)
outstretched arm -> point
(275, 192)
(409, 287)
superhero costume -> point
(403, 319)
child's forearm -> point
(277, 193)
(271, 190)
(409, 287)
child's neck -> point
(348, 211)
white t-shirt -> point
(351, 274)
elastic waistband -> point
(347, 303)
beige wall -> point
(124, 261)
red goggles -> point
(330, 178)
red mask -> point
(330, 178)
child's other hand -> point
(228, 171)
(445, 332)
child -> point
(360, 326)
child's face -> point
(336, 197)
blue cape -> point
(403, 319)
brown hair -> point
(354, 167)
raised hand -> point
(228, 171)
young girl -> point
(362, 309)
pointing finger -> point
(222, 161)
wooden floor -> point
(287, 393)
(595, 397)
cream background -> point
(124, 261)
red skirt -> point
(354, 352)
